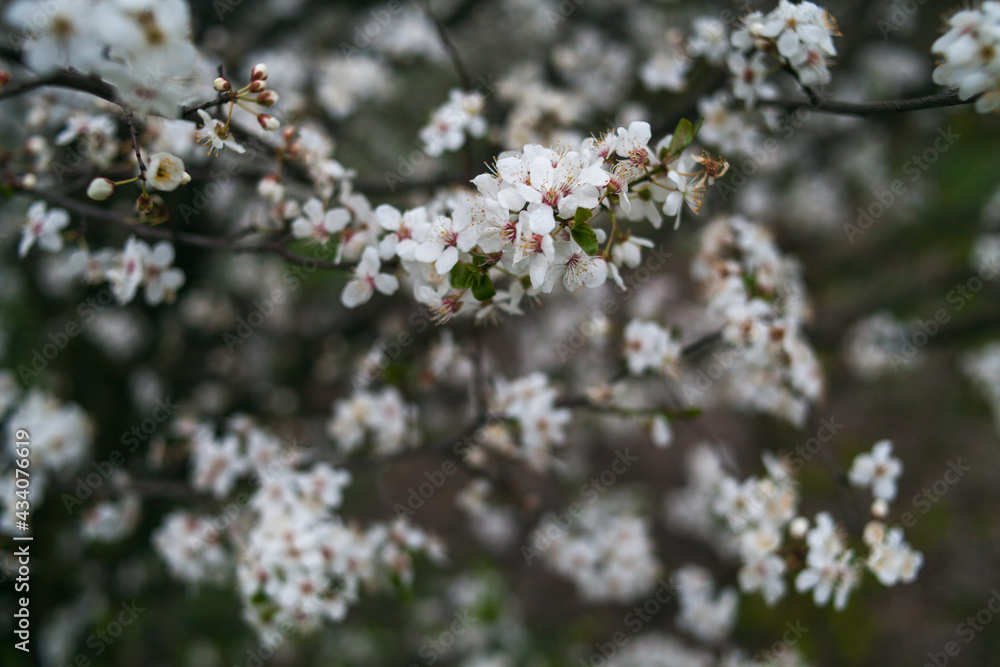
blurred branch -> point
(946, 99)
(456, 58)
(185, 238)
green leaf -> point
(582, 216)
(483, 288)
(683, 136)
(464, 275)
(585, 236)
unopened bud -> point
(100, 189)
(34, 145)
(222, 85)
(144, 204)
(186, 178)
(269, 123)
(880, 508)
(258, 86)
(29, 181)
(268, 98)
(799, 527)
(259, 72)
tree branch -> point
(865, 109)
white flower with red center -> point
(765, 575)
(576, 267)
(650, 346)
(43, 226)
(317, 224)
(686, 190)
(970, 55)
(162, 281)
(539, 251)
(404, 228)
(443, 239)
(165, 172)
(633, 143)
(551, 184)
(128, 271)
(749, 74)
(800, 27)
(214, 134)
(367, 279)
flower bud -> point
(799, 527)
(268, 98)
(880, 508)
(4, 78)
(144, 204)
(259, 72)
(186, 178)
(29, 181)
(222, 85)
(100, 189)
(269, 123)
(35, 145)
(258, 85)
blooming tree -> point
(378, 403)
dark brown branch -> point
(946, 99)
(184, 238)
(456, 58)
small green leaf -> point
(683, 136)
(582, 216)
(483, 288)
(463, 275)
(585, 236)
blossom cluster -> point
(607, 552)
(383, 417)
(968, 55)
(756, 296)
(61, 437)
(295, 559)
(761, 513)
(142, 47)
(462, 114)
(530, 402)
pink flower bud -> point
(258, 85)
(268, 98)
(269, 123)
(100, 189)
(222, 85)
(259, 72)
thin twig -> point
(946, 99)
(456, 58)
